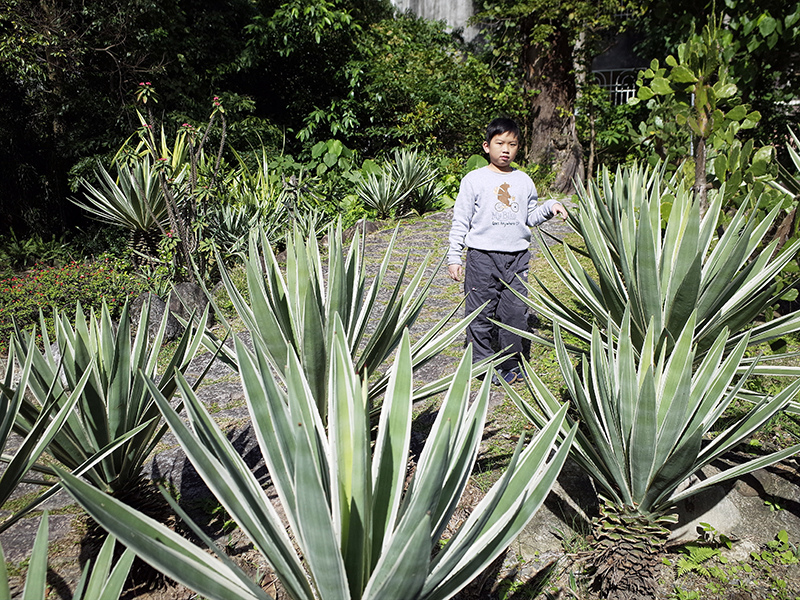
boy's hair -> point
(501, 126)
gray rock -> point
(184, 299)
(363, 226)
(752, 508)
(18, 541)
(157, 308)
(187, 298)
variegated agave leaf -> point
(294, 310)
(98, 580)
(102, 364)
(41, 432)
(654, 255)
(646, 416)
(362, 531)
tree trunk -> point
(700, 180)
(552, 141)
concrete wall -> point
(455, 13)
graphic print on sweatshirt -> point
(506, 208)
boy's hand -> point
(559, 210)
(455, 272)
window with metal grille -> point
(620, 83)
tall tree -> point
(547, 44)
(702, 97)
(67, 72)
(765, 58)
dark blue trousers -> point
(484, 275)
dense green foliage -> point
(763, 49)
(757, 48)
(65, 80)
(18, 253)
(292, 75)
(413, 84)
(289, 75)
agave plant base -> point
(628, 551)
(146, 497)
(144, 245)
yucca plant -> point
(295, 311)
(412, 170)
(425, 198)
(98, 581)
(358, 527)
(663, 273)
(99, 359)
(175, 156)
(647, 427)
(414, 175)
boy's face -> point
(502, 149)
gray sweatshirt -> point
(495, 211)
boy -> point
(494, 210)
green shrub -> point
(23, 295)
(22, 252)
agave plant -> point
(357, 527)
(253, 198)
(133, 199)
(253, 185)
(664, 274)
(115, 409)
(412, 170)
(103, 583)
(230, 226)
(426, 198)
(296, 312)
(381, 192)
(392, 187)
(645, 431)
(24, 458)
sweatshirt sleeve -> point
(462, 217)
(541, 213)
